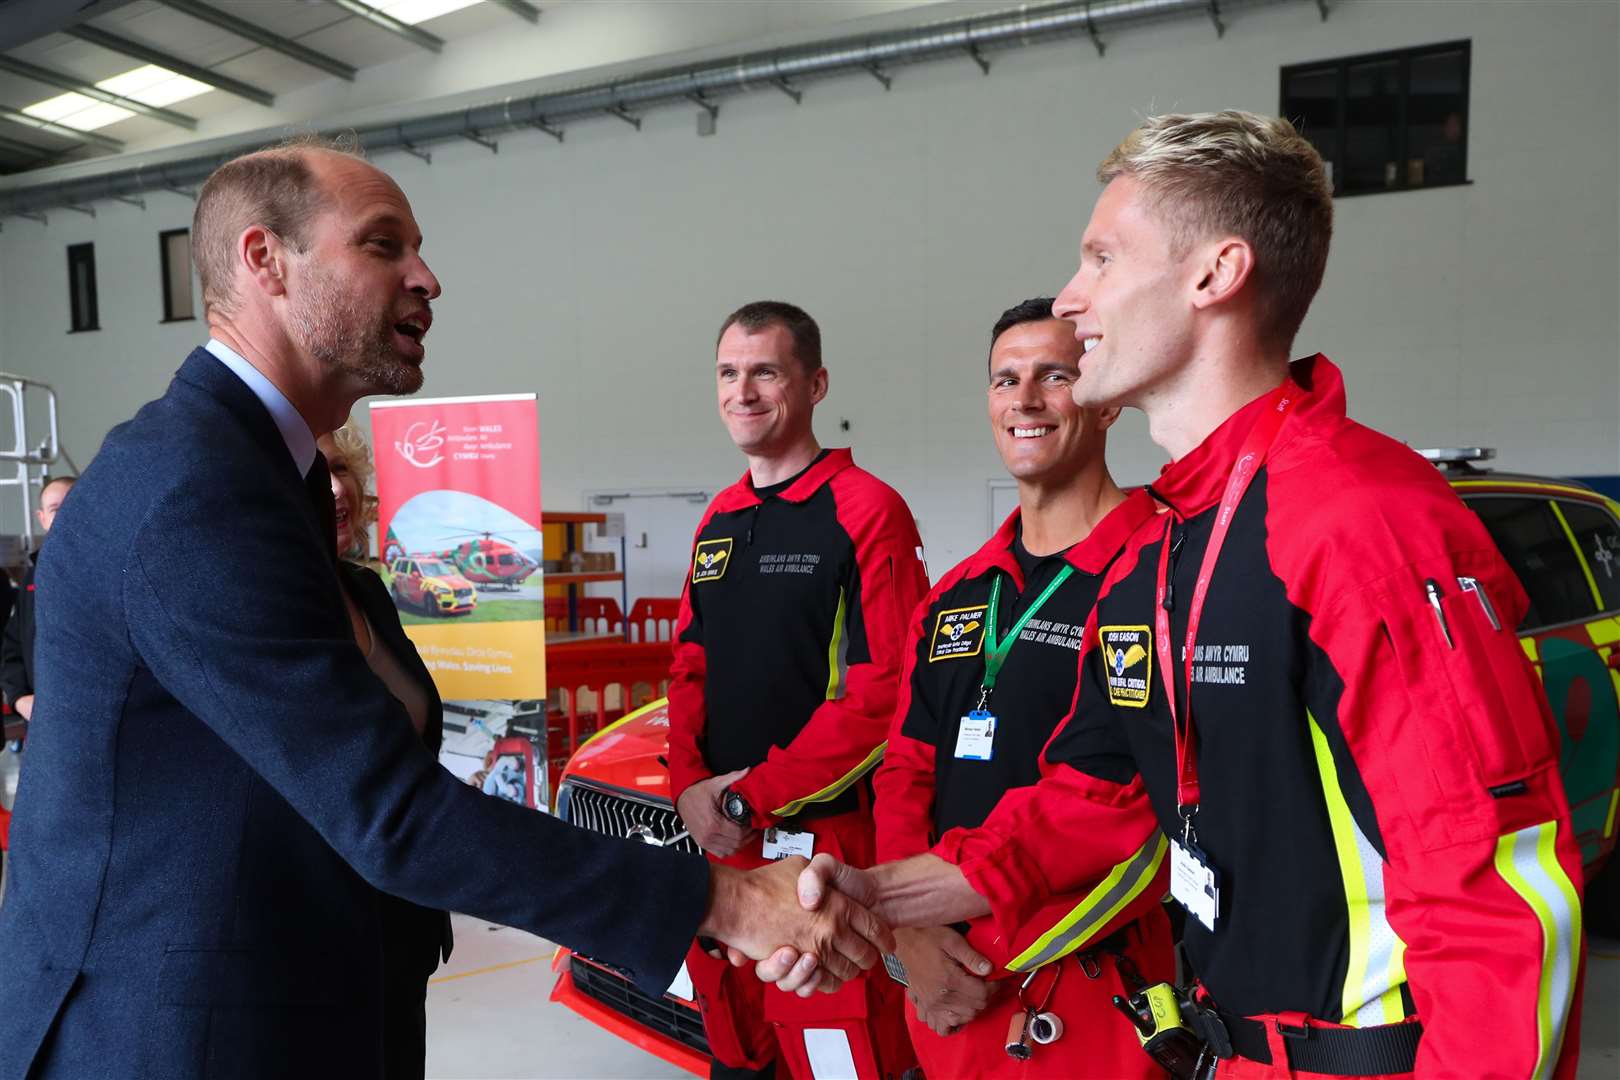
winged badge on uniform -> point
(710, 559)
(1120, 659)
(954, 631)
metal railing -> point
(23, 465)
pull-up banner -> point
(458, 512)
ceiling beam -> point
(16, 146)
(61, 131)
(415, 35)
(114, 43)
(260, 36)
(78, 86)
(30, 20)
(520, 7)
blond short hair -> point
(1241, 174)
(357, 452)
(273, 187)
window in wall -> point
(82, 287)
(1598, 535)
(1391, 121)
(176, 250)
(1538, 550)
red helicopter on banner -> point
(488, 558)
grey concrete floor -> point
(489, 1017)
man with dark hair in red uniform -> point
(1305, 671)
(990, 671)
(787, 660)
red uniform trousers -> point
(749, 1024)
(1097, 1041)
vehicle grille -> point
(683, 1023)
(615, 815)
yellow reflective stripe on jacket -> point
(1528, 862)
(1099, 907)
(1377, 968)
(837, 787)
(837, 670)
(837, 654)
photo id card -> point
(779, 844)
(975, 739)
(1194, 883)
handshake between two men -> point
(816, 925)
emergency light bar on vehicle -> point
(1458, 457)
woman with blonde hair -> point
(413, 938)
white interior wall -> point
(596, 271)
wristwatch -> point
(736, 808)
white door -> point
(1003, 501)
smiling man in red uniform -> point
(787, 662)
(1305, 671)
(990, 671)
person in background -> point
(17, 643)
(414, 938)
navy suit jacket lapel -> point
(203, 371)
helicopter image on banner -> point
(489, 559)
(483, 557)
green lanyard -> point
(996, 650)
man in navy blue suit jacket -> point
(217, 784)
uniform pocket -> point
(1474, 706)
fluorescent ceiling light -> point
(153, 85)
(77, 111)
(150, 85)
(412, 12)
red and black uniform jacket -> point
(1380, 786)
(787, 650)
(924, 790)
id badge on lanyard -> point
(1195, 883)
(976, 732)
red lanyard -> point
(1249, 460)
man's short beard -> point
(333, 329)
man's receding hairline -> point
(764, 328)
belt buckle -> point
(1293, 1025)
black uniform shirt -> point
(1035, 687)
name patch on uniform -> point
(711, 560)
(1128, 659)
(958, 633)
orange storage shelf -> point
(581, 579)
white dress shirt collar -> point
(294, 432)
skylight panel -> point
(154, 85)
(417, 11)
(149, 84)
(77, 111)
